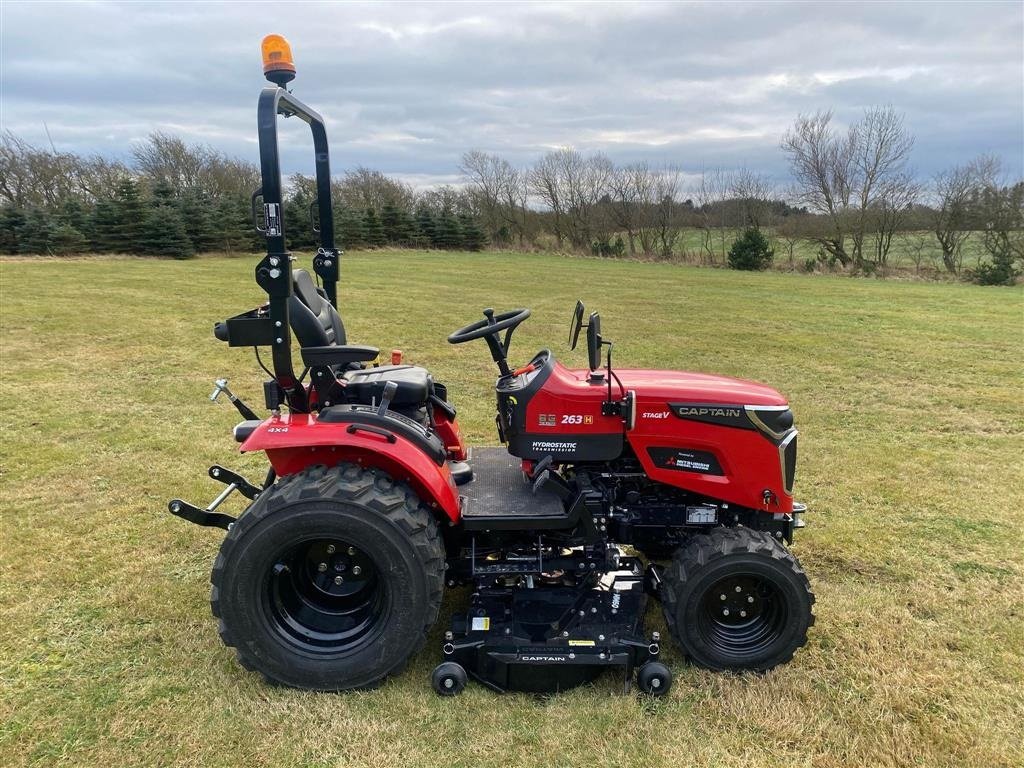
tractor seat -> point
(367, 386)
(316, 323)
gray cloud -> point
(408, 87)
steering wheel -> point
(491, 324)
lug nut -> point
(339, 580)
(331, 549)
(739, 589)
(722, 596)
(322, 567)
(356, 570)
(725, 611)
(743, 614)
(351, 550)
(750, 598)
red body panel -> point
(749, 461)
(293, 442)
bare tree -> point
(790, 232)
(168, 159)
(712, 192)
(880, 147)
(892, 207)
(193, 168)
(30, 176)
(363, 188)
(501, 193)
(954, 192)
(571, 185)
(631, 190)
(753, 192)
(849, 178)
(821, 164)
(919, 248)
(666, 210)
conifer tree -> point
(373, 232)
(447, 233)
(232, 224)
(198, 215)
(11, 220)
(163, 234)
(65, 240)
(473, 237)
(349, 228)
(125, 236)
(104, 225)
(425, 227)
(34, 232)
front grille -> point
(788, 456)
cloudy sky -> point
(407, 88)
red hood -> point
(686, 387)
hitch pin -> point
(220, 499)
(221, 385)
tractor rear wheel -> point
(330, 580)
(737, 599)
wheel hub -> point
(324, 595)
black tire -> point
(737, 599)
(330, 580)
(448, 679)
(654, 678)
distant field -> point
(907, 395)
(911, 252)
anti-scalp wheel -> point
(330, 580)
(654, 678)
(736, 598)
(448, 679)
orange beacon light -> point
(278, 65)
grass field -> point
(908, 397)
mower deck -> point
(548, 638)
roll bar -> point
(274, 272)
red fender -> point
(296, 441)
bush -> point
(603, 247)
(1002, 269)
(750, 251)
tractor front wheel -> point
(330, 580)
(737, 599)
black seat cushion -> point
(367, 386)
(314, 321)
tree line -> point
(853, 193)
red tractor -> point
(373, 504)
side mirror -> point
(594, 341)
(575, 325)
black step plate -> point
(500, 495)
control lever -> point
(385, 401)
(221, 386)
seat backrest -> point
(314, 321)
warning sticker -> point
(585, 643)
(481, 623)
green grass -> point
(908, 397)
